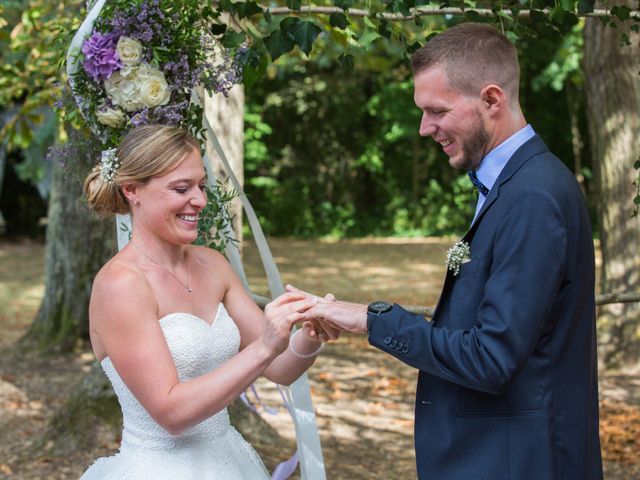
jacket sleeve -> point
(519, 294)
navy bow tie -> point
(477, 183)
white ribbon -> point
(299, 393)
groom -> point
(507, 385)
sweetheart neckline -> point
(172, 314)
(213, 322)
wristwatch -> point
(378, 307)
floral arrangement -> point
(142, 61)
(457, 255)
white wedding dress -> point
(210, 450)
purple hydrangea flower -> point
(100, 58)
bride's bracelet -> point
(303, 355)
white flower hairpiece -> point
(109, 165)
(457, 255)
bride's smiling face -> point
(169, 205)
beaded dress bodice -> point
(212, 449)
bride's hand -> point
(280, 316)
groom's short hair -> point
(473, 56)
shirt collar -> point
(493, 163)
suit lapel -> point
(532, 147)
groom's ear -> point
(493, 97)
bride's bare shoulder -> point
(120, 277)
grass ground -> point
(363, 398)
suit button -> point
(405, 349)
(387, 340)
(400, 346)
(393, 344)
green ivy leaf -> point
(304, 34)
(217, 29)
(568, 5)
(368, 37)
(585, 6)
(251, 73)
(383, 28)
(287, 24)
(636, 165)
(471, 16)
(227, 6)
(537, 16)
(247, 9)
(294, 4)
(344, 4)
(338, 20)
(278, 43)
(622, 12)
(232, 39)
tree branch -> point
(427, 11)
(603, 299)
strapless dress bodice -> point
(212, 449)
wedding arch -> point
(109, 119)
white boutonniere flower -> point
(457, 255)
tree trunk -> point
(77, 245)
(613, 102)
(225, 115)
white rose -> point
(129, 51)
(123, 91)
(153, 87)
(112, 117)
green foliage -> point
(339, 155)
(330, 151)
(31, 44)
(214, 226)
(331, 144)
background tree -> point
(611, 60)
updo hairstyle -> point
(146, 152)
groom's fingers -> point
(325, 331)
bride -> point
(173, 327)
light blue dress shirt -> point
(493, 163)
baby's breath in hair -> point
(109, 165)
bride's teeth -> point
(189, 218)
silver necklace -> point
(185, 285)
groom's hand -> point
(313, 327)
(346, 316)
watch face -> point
(380, 306)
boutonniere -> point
(457, 255)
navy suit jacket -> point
(507, 387)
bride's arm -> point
(251, 321)
(124, 320)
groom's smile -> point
(451, 118)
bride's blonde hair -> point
(146, 152)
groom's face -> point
(452, 118)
